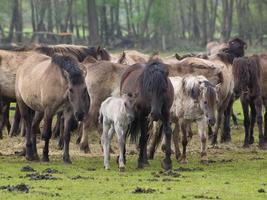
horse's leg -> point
(34, 128)
(25, 115)
(155, 140)
(142, 142)
(234, 118)
(202, 126)
(258, 106)
(121, 138)
(56, 129)
(6, 117)
(184, 143)
(252, 122)
(265, 122)
(16, 123)
(1, 118)
(217, 126)
(166, 162)
(68, 116)
(60, 144)
(226, 133)
(245, 108)
(107, 128)
(176, 139)
(47, 133)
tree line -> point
(160, 24)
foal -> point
(195, 100)
(115, 115)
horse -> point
(47, 85)
(115, 115)
(102, 81)
(250, 81)
(150, 82)
(12, 60)
(195, 100)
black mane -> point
(70, 65)
(153, 80)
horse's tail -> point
(134, 130)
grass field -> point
(233, 173)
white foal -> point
(116, 114)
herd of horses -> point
(146, 97)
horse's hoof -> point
(178, 156)
(140, 165)
(204, 162)
(246, 145)
(183, 161)
(45, 159)
(166, 165)
(263, 146)
(251, 141)
(67, 161)
(78, 141)
(30, 157)
(121, 169)
(85, 148)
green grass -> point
(236, 174)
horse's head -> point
(102, 54)
(208, 101)
(129, 103)
(77, 93)
(154, 87)
(241, 75)
(204, 94)
(237, 47)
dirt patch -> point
(153, 179)
(261, 190)
(256, 158)
(27, 169)
(226, 160)
(81, 178)
(51, 171)
(16, 188)
(37, 177)
(140, 190)
(91, 169)
(169, 179)
(185, 169)
(205, 197)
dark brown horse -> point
(154, 92)
(250, 83)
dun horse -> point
(154, 92)
(250, 78)
(47, 85)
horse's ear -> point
(89, 59)
(122, 59)
(177, 56)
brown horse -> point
(12, 60)
(47, 85)
(154, 92)
(102, 80)
(250, 81)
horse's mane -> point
(249, 69)
(154, 78)
(128, 71)
(80, 52)
(70, 65)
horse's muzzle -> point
(211, 121)
(79, 116)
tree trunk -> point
(204, 23)
(93, 22)
(212, 19)
(14, 19)
(146, 17)
(196, 32)
(227, 19)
